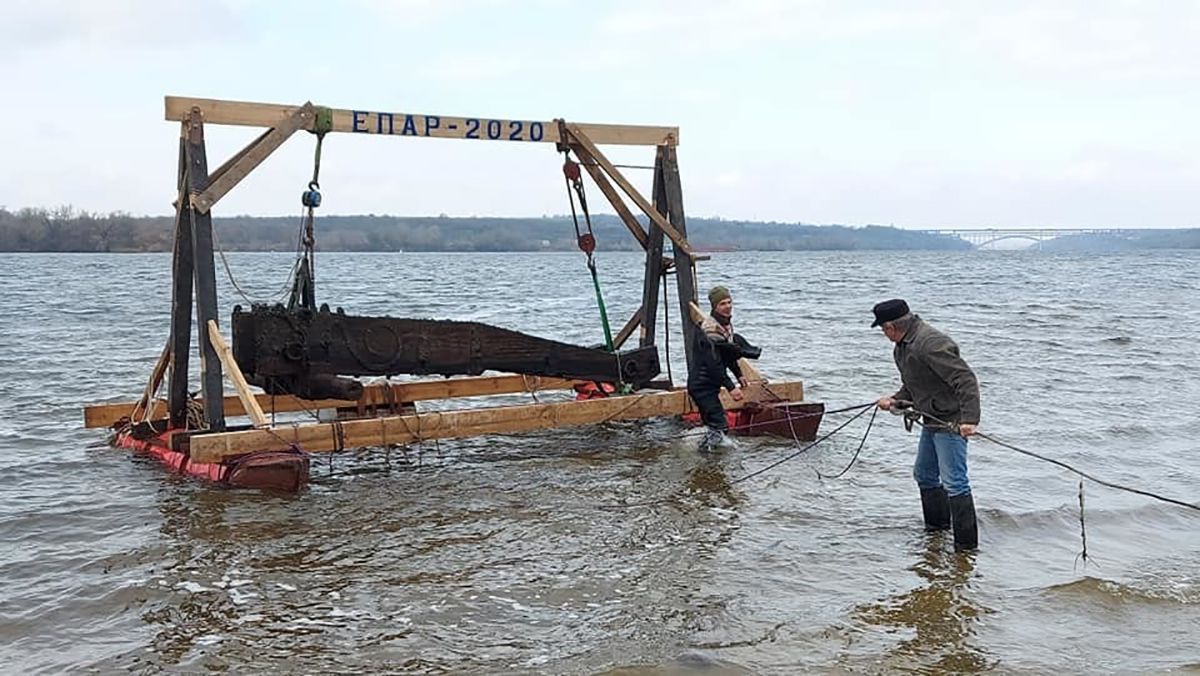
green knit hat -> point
(718, 294)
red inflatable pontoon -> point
(275, 470)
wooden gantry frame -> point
(194, 276)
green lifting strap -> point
(608, 339)
(323, 123)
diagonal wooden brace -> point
(618, 204)
(238, 168)
(249, 401)
(582, 143)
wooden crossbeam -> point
(582, 141)
(229, 175)
(405, 429)
(104, 415)
(251, 114)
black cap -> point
(889, 310)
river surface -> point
(514, 555)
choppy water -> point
(506, 555)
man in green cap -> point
(716, 350)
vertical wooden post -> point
(211, 385)
(181, 295)
(654, 259)
(685, 268)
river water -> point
(513, 555)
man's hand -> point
(886, 403)
(736, 393)
(966, 429)
(743, 382)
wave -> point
(1185, 592)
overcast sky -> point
(917, 114)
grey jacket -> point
(935, 378)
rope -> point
(1109, 484)
(769, 467)
(587, 242)
(809, 447)
(620, 166)
(856, 451)
(228, 270)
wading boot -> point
(962, 514)
(712, 441)
(936, 507)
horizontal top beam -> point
(245, 113)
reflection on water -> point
(941, 613)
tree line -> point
(66, 229)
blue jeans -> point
(942, 461)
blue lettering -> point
(536, 132)
(472, 128)
(410, 127)
(432, 122)
(493, 129)
(360, 120)
(514, 128)
(379, 123)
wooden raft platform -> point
(407, 429)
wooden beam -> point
(627, 330)
(182, 277)
(228, 176)
(156, 378)
(580, 141)
(652, 279)
(405, 429)
(618, 204)
(204, 266)
(410, 124)
(253, 410)
(105, 415)
(685, 264)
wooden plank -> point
(182, 274)
(685, 263)
(204, 265)
(156, 377)
(618, 204)
(253, 410)
(228, 176)
(628, 329)
(653, 278)
(321, 437)
(104, 415)
(581, 142)
(423, 125)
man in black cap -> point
(938, 383)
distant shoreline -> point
(65, 230)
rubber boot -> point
(962, 514)
(712, 441)
(936, 507)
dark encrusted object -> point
(301, 351)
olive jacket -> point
(934, 376)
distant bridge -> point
(982, 237)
